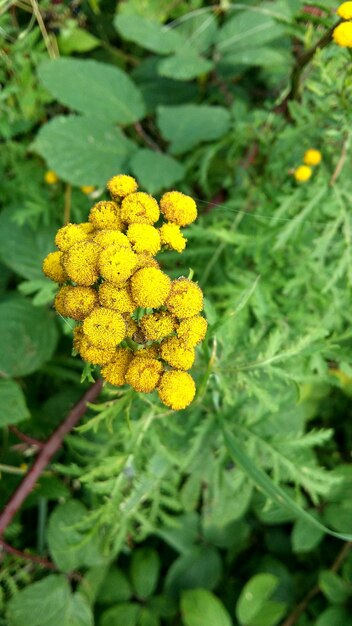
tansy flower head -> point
(157, 326)
(116, 298)
(144, 238)
(122, 185)
(178, 208)
(115, 371)
(302, 173)
(92, 354)
(146, 260)
(78, 335)
(150, 287)
(342, 35)
(87, 227)
(53, 268)
(105, 214)
(80, 263)
(70, 234)
(117, 264)
(312, 157)
(185, 299)
(176, 389)
(151, 351)
(110, 237)
(59, 302)
(104, 328)
(51, 178)
(80, 301)
(175, 353)
(139, 208)
(192, 330)
(171, 236)
(87, 189)
(345, 11)
(143, 374)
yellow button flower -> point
(178, 208)
(53, 268)
(104, 328)
(312, 157)
(345, 11)
(115, 371)
(70, 234)
(157, 326)
(150, 287)
(80, 301)
(94, 355)
(144, 238)
(151, 351)
(192, 330)
(139, 208)
(51, 178)
(122, 185)
(81, 261)
(172, 237)
(59, 301)
(105, 214)
(143, 374)
(117, 264)
(302, 173)
(185, 299)
(342, 35)
(87, 227)
(118, 299)
(176, 389)
(146, 260)
(110, 237)
(175, 353)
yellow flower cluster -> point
(311, 157)
(342, 34)
(133, 321)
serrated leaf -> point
(28, 336)
(148, 33)
(156, 171)
(248, 28)
(200, 607)
(186, 126)
(100, 90)
(186, 64)
(13, 408)
(83, 151)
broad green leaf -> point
(245, 29)
(187, 125)
(336, 590)
(28, 336)
(23, 248)
(186, 64)
(148, 33)
(13, 406)
(200, 607)
(334, 616)
(253, 598)
(305, 537)
(145, 567)
(115, 587)
(124, 614)
(156, 171)
(69, 547)
(78, 612)
(82, 150)
(98, 89)
(148, 618)
(199, 567)
(260, 57)
(75, 39)
(157, 90)
(199, 30)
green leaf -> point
(68, 546)
(28, 336)
(336, 590)
(250, 28)
(156, 171)
(145, 567)
(305, 537)
(82, 150)
(75, 39)
(148, 33)
(253, 608)
(126, 614)
(334, 616)
(199, 30)
(23, 248)
(187, 125)
(148, 618)
(49, 602)
(13, 406)
(200, 567)
(200, 607)
(115, 588)
(101, 90)
(257, 57)
(186, 64)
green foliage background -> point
(233, 510)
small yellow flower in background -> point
(312, 156)
(133, 322)
(345, 11)
(302, 173)
(87, 189)
(51, 178)
(342, 35)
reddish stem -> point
(26, 438)
(38, 560)
(46, 453)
